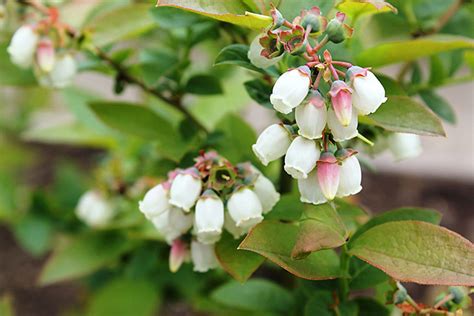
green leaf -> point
(235, 54)
(399, 214)
(288, 208)
(82, 256)
(275, 241)
(254, 295)
(354, 9)
(155, 64)
(352, 216)
(438, 105)
(416, 75)
(259, 91)
(370, 307)
(391, 86)
(413, 251)
(35, 234)
(171, 18)
(240, 264)
(364, 276)
(319, 304)
(321, 228)
(203, 84)
(404, 115)
(12, 75)
(124, 297)
(121, 23)
(231, 11)
(6, 305)
(437, 71)
(407, 50)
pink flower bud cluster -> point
(193, 207)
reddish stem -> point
(317, 80)
(333, 72)
(288, 24)
(342, 64)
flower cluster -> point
(199, 202)
(45, 45)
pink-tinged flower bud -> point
(368, 93)
(350, 178)
(272, 143)
(245, 208)
(337, 30)
(339, 132)
(341, 100)
(23, 46)
(62, 74)
(265, 191)
(301, 157)
(255, 54)
(154, 202)
(203, 257)
(290, 89)
(209, 218)
(311, 116)
(94, 210)
(310, 190)
(405, 146)
(328, 172)
(313, 18)
(231, 227)
(178, 254)
(185, 190)
(172, 223)
(45, 55)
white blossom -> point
(231, 227)
(266, 192)
(245, 208)
(272, 143)
(94, 209)
(368, 92)
(350, 177)
(62, 74)
(339, 132)
(310, 190)
(185, 191)
(209, 218)
(203, 257)
(256, 58)
(45, 55)
(404, 145)
(311, 120)
(172, 223)
(301, 157)
(290, 89)
(22, 47)
(155, 201)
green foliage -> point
(288, 208)
(235, 54)
(203, 84)
(438, 105)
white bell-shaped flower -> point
(272, 143)
(290, 89)
(94, 210)
(310, 190)
(255, 57)
(350, 178)
(266, 192)
(328, 171)
(62, 74)
(301, 157)
(185, 190)
(311, 117)
(368, 92)
(245, 208)
(22, 47)
(339, 132)
(203, 256)
(209, 218)
(172, 223)
(405, 146)
(231, 227)
(155, 201)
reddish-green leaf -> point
(413, 251)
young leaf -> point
(404, 115)
(203, 84)
(235, 54)
(256, 295)
(259, 91)
(407, 50)
(240, 264)
(83, 255)
(288, 208)
(355, 9)
(399, 214)
(364, 276)
(438, 105)
(231, 11)
(437, 71)
(413, 251)
(322, 228)
(275, 241)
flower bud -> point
(172, 223)
(231, 227)
(203, 257)
(368, 93)
(310, 190)
(23, 46)
(245, 208)
(209, 218)
(339, 132)
(301, 157)
(311, 116)
(45, 55)
(350, 177)
(294, 40)
(178, 254)
(272, 143)
(94, 209)
(328, 172)
(458, 294)
(336, 30)
(341, 100)
(277, 17)
(185, 190)
(154, 202)
(62, 73)
(255, 54)
(314, 19)
(266, 192)
(290, 89)
(404, 146)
